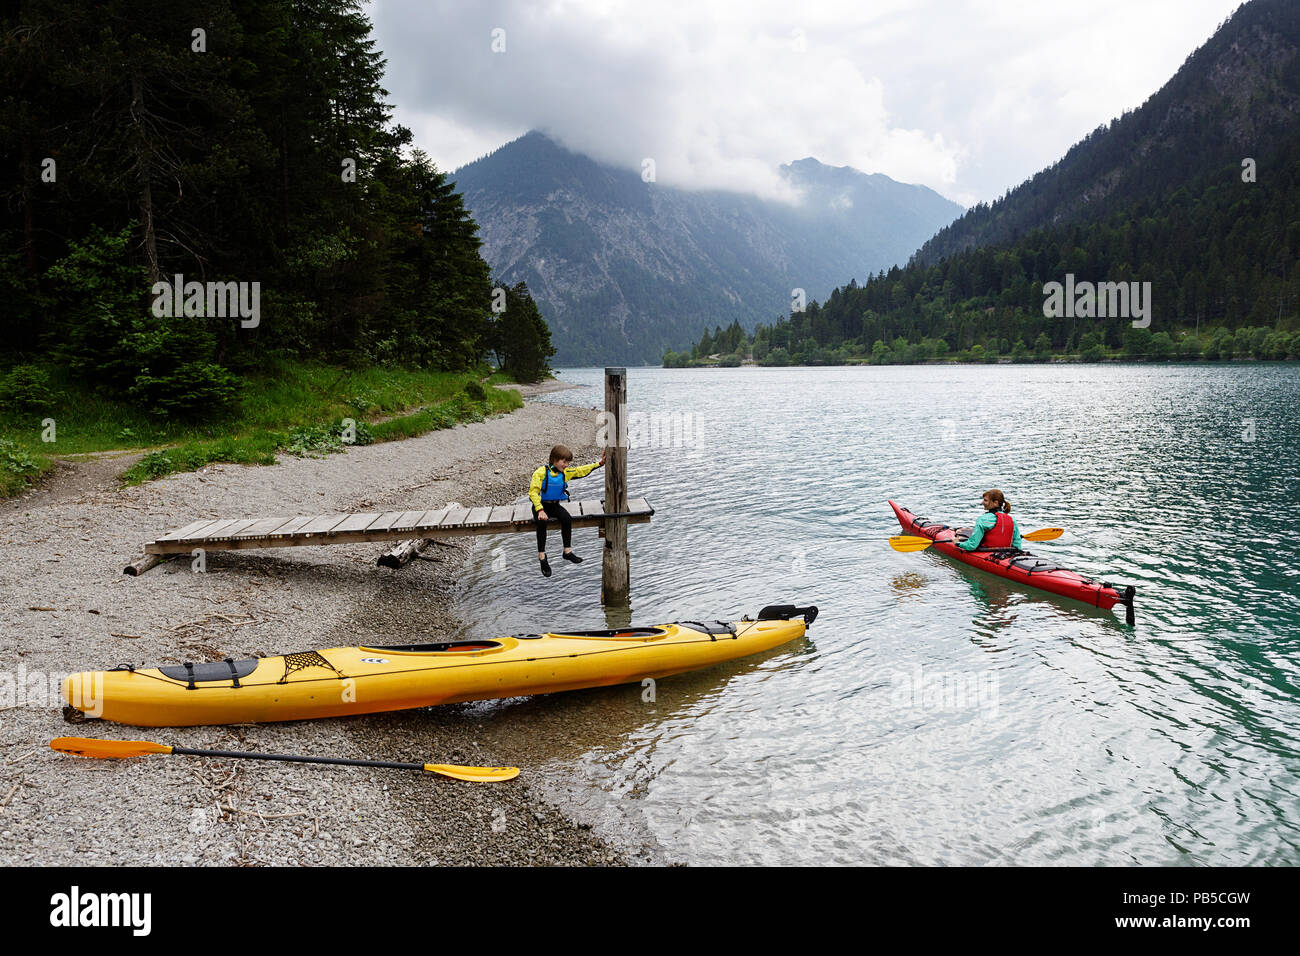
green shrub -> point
(1137, 342)
(1160, 347)
(1220, 345)
(18, 467)
(189, 391)
(362, 435)
(16, 460)
(360, 404)
(154, 465)
(464, 411)
(313, 441)
(316, 441)
(27, 388)
(1258, 342)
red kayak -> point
(1019, 566)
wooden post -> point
(614, 584)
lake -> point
(936, 714)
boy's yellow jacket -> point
(573, 471)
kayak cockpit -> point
(443, 647)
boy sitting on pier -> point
(550, 487)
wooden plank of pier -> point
(192, 527)
(358, 522)
(262, 528)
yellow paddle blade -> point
(91, 747)
(473, 774)
(1044, 534)
(907, 542)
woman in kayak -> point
(550, 487)
(995, 528)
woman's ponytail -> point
(999, 499)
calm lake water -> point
(936, 714)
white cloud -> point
(968, 97)
(452, 144)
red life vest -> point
(999, 536)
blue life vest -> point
(554, 487)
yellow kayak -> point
(338, 681)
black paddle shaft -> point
(295, 758)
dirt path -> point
(75, 479)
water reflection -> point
(618, 615)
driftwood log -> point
(402, 553)
(141, 565)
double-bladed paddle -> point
(93, 747)
(907, 542)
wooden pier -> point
(304, 531)
(417, 528)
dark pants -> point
(554, 510)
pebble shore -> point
(65, 606)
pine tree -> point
(521, 338)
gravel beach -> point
(65, 605)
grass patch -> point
(505, 378)
(255, 449)
(287, 406)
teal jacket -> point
(984, 523)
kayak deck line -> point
(1007, 563)
(453, 520)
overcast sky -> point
(968, 97)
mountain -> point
(625, 269)
(1236, 96)
(1196, 193)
